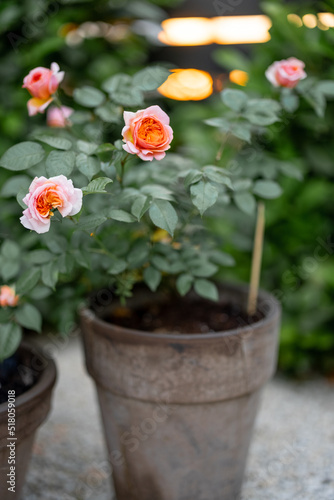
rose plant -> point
(107, 207)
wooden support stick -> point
(256, 261)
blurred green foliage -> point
(298, 264)
(298, 258)
(38, 32)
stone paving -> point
(291, 457)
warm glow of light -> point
(239, 77)
(327, 19)
(294, 19)
(186, 31)
(187, 85)
(310, 20)
(241, 29)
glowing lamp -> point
(187, 85)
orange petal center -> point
(48, 200)
(151, 131)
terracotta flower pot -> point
(178, 410)
(31, 409)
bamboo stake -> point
(256, 261)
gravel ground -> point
(291, 457)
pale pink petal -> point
(128, 115)
(158, 113)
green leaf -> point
(40, 292)
(222, 258)
(10, 338)
(218, 175)
(290, 170)
(122, 92)
(203, 195)
(289, 101)
(22, 156)
(241, 131)
(80, 117)
(203, 269)
(267, 189)
(29, 317)
(140, 206)
(60, 163)
(151, 78)
(5, 315)
(50, 274)
(161, 263)
(82, 257)
(152, 278)
(15, 184)
(219, 122)
(55, 142)
(206, 289)
(262, 112)
(234, 99)
(326, 87)
(89, 97)
(39, 257)
(90, 222)
(104, 151)
(163, 215)
(89, 166)
(19, 197)
(10, 269)
(10, 250)
(117, 266)
(242, 184)
(117, 82)
(108, 113)
(97, 185)
(56, 243)
(27, 281)
(121, 215)
(245, 202)
(157, 192)
(138, 254)
(88, 148)
(192, 177)
(184, 283)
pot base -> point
(205, 459)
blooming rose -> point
(147, 133)
(44, 196)
(286, 73)
(57, 117)
(42, 83)
(8, 297)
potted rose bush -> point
(179, 360)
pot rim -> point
(46, 380)
(120, 333)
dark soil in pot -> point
(16, 375)
(183, 316)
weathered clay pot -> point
(179, 410)
(32, 408)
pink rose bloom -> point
(46, 195)
(8, 297)
(42, 83)
(286, 73)
(147, 133)
(58, 117)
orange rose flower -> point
(147, 133)
(8, 297)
